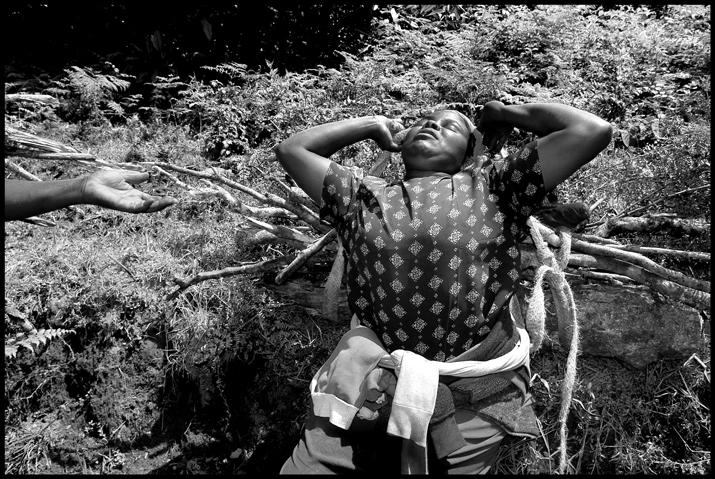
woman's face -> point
(438, 142)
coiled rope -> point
(551, 270)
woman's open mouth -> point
(430, 133)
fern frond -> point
(232, 69)
(88, 80)
(115, 108)
(35, 338)
(10, 350)
(57, 91)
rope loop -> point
(551, 270)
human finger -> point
(135, 177)
(489, 141)
(159, 203)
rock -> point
(630, 323)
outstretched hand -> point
(493, 129)
(113, 189)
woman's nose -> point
(431, 124)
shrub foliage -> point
(189, 89)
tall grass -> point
(236, 359)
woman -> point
(432, 262)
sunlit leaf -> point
(207, 29)
(626, 137)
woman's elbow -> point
(283, 151)
(603, 134)
(280, 151)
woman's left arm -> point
(569, 137)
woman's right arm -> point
(569, 137)
(305, 155)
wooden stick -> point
(594, 239)
(258, 267)
(678, 292)
(20, 171)
(616, 279)
(32, 97)
(642, 261)
(614, 226)
(36, 220)
(295, 194)
(690, 255)
(281, 231)
(660, 200)
(49, 156)
(13, 137)
(631, 257)
(271, 199)
(304, 255)
(253, 237)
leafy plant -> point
(32, 339)
(88, 95)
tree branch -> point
(304, 255)
(614, 226)
(606, 250)
(258, 267)
(678, 292)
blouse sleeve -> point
(518, 181)
(340, 187)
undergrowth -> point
(223, 370)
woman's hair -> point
(475, 156)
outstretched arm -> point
(107, 188)
(569, 137)
(305, 154)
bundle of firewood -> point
(593, 255)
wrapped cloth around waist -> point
(351, 383)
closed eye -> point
(452, 125)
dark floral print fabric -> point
(431, 262)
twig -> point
(630, 257)
(36, 220)
(295, 194)
(221, 192)
(309, 217)
(657, 222)
(610, 277)
(593, 206)
(20, 171)
(594, 239)
(17, 139)
(281, 231)
(642, 261)
(260, 266)
(692, 297)
(304, 255)
(32, 97)
(123, 267)
(692, 255)
(660, 200)
(49, 156)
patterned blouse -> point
(431, 262)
